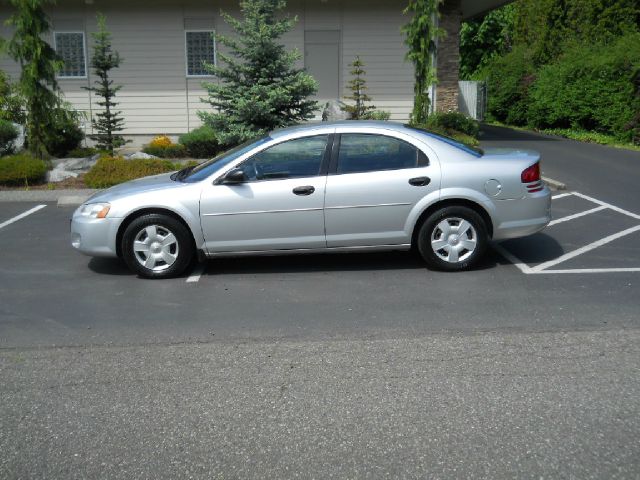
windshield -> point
(208, 168)
(475, 151)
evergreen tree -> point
(259, 86)
(358, 86)
(107, 122)
(421, 33)
(39, 63)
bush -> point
(461, 137)
(22, 169)
(161, 141)
(11, 102)
(589, 88)
(378, 115)
(63, 134)
(82, 152)
(201, 142)
(169, 151)
(509, 79)
(109, 171)
(8, 134)
(454, 121)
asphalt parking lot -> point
(586, 262)
(333, 366)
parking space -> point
(585, 236)
(52, 295)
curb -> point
(554, 184)
(61, 197)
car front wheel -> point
(453, 238)
(157, 246)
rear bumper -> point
(524, 216)
(95, 237)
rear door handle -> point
(419, 181)
(304, 190)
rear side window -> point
(368, 153)
(301, 157)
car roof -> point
(355, 124)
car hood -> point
(134, 187)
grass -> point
(579, 135)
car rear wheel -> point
(157, 246)
(452, 239)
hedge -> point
(22, 170)
(166, 151)
(109, 171)
(201, 142)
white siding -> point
(156, 95)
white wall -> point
(157, 97)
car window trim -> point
(423, 158)
(324, 163)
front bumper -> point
(95, 236)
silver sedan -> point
(330, 187)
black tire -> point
(445, 258)
(180, 252)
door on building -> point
(322, 60)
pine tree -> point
(358, 85)
(259, 86)
(39, 64)
(107, 122)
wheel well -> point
(449, 203)
(146, 211)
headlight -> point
(94, 210)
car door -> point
(374, 181)
(278, 207)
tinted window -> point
(367, 153)
(296, 158)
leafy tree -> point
(39, 63)
(358, 86)
(107, 122)
(259, 88)
(11, 103)
(422, 33)
(484, 39)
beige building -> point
(163, 43)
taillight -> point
(531, 176)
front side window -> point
(70, 47)
(201, 49)
(367, 153)
(301, 157)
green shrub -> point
(11, 102)
(166, 151)
(378, 115)
(589, 88)
(8, 133)
(509, 79)
(454, 121)
(82, 152)
(461, 137)
(63, 134)
(21, 169)
(109, 171)
(201, 142)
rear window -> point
(475, 151)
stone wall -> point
(448, 58)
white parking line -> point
(562, 195)
(21, 216)
(586, 248)
(197, 273)
(543, 268)
(576, 215)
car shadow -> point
(532, 250)
(109, 266)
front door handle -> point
(304, 190)
(419, 181)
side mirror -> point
(234, 177)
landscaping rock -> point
(64, 168)
(140, 155)
(332, 112)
